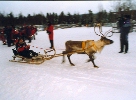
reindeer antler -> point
(95, 25)
(106, 33)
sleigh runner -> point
(34, 60)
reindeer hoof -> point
(63, 61)
(72, 64)
(96, 67)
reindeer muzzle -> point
(111, 41)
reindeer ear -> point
(102, 37)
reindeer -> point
(99, 25)
(89, 47)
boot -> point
(126, 47)
(121, 47)
(34, 53)
(29, 40)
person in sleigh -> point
(24, 50)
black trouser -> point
(9, 41)
(124, 38)
(124, 43)
(27, 53)
(51, 42)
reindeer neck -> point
(99, 44)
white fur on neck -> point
(100, 45)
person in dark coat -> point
(120, 23)
(124, 30)
(50, 33)
(8, 32)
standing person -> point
(124, 30)
(50, 33)
(8, 31)
(28, 33)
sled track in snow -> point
(100, 77)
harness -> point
(84, 45)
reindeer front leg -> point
(92, 59)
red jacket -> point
(22, 47)
(50, 32)
(32, 31)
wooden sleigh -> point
(34, 60)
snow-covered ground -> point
(115, 79)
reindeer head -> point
(103, 36)
(106, 41)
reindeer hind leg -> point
(63, 59)
(68, 55)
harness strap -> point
(93, 45)
(83, 45)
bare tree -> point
(123, 5)
(100, 7)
